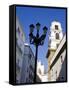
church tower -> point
(55, 36)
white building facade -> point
(56, 53)
(58, 62)
(20, 39)
(28, 65)
(42, 76)
(25, 60)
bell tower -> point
(55, 36)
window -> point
(27, 80)
(57, 45)
(62, 77)
(18, 30)
(27, 70)
(52, 72)
(56, 75)
(49, 43)
(56, 27)
(18, 61)
(61, 59)
(44, 71)
(57, 35)
(56, 72)
(31, 68)
(22, 34)
(31, 76)
(30, 56)
(39, 71)
(17, 80)
(20, 50)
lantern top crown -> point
(31, 26)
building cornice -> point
(48, 52)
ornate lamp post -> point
(37, 40)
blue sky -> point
(29, 15)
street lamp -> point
(37, 40)
(38, 26)
(31, 28)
